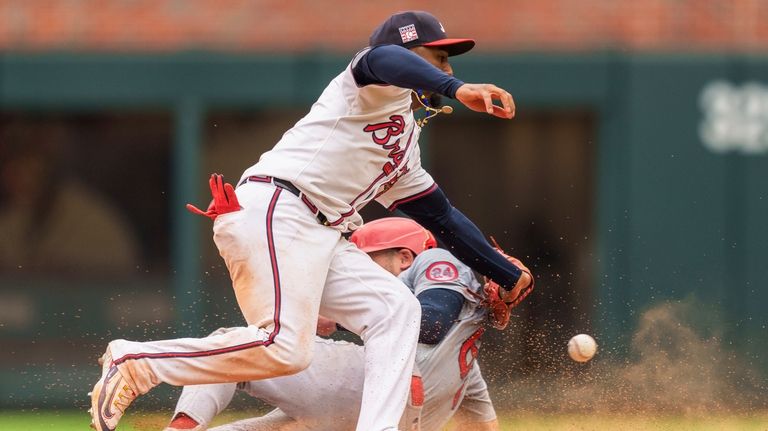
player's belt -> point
(287, 185)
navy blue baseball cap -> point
(417, 28)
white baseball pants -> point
(283, 262)
(325, 396)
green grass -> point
(43, 420)
(71, 420)
(139, 421)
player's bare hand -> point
(482, 97)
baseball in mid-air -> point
(582, 347)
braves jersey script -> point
(449, 371)
(355, 145)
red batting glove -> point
(211, 212)
(224, 199)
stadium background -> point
(633, 180)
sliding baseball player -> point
(327, 395)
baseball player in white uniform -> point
(285, 251)
(326, 395)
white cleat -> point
(110, 396)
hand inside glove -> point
(501, 302)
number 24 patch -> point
(442, 271)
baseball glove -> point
(224, 199)
(501, 302)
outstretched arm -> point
(463, 238)
(401, 67)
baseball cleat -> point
(110, 396)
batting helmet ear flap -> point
(393, 232)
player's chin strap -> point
(431, 112)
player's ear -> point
(405, 258)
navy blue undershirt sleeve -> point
(398, 66)
(462, 238)
(440, 308)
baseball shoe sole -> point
(110, 396)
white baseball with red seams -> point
(582, 347)
(356, 144)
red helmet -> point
(393, 232)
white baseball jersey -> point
(355, 145)
(375, 125)
(326, 396)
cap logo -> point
(408, 33)
(441, 26)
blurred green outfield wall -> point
(682, 154)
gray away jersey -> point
(327, 395)
(450, 373)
